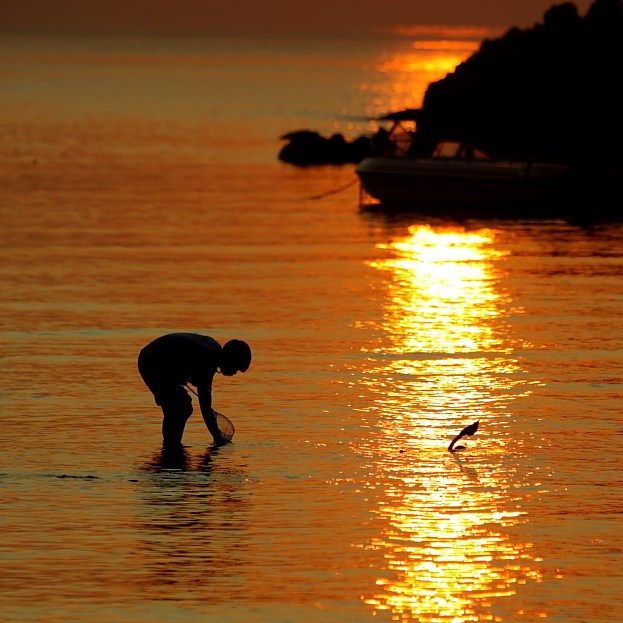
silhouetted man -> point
(170, 362)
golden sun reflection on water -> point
(441, 291)
(446, 360)
(405, 75)
(427, 54)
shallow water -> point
(157, 204)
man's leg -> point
(176, 407)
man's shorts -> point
(168, 393)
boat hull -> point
(465, 186)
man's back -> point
(183, 357)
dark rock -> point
(306, 148)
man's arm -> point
(205, 404)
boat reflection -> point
(446, 360)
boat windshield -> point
(456, 149)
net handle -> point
(228, 436)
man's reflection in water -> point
(178, 459)
(193, 524)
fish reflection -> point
(445, 357)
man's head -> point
(236, 357)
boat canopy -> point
(409, 114)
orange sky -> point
(266, 16)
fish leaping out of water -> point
(468, 431)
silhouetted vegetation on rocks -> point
(549, 92)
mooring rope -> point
(335, 190)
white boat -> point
(456, 178)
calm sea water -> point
(140, 193)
